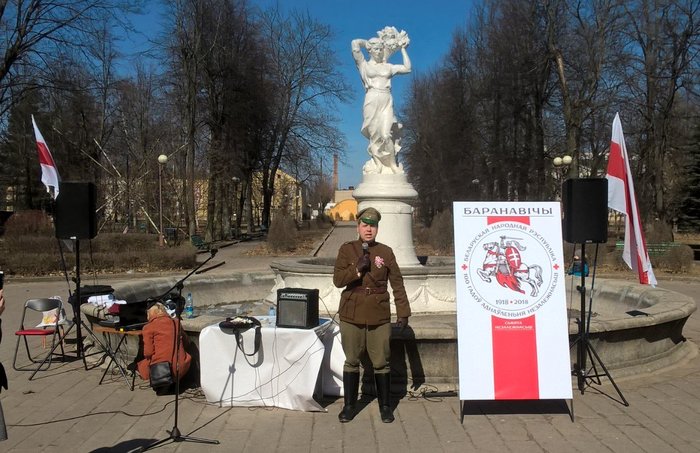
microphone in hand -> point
(363, 263)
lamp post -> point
(162, 159)
(559, 164)
(235, 180)
(475, 185)
(236, 223)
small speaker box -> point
(585, 210)
(297, 307)
(75, 211)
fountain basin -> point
(634, 328)
(430, 287)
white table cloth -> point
(283, 373)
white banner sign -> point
(511, 301)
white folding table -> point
(288, 367)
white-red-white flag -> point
(621, 198)
(49, 172)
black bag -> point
(161, 375)
(237, 328)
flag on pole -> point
(49, 172)
(621, 198)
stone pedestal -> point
(391, 195)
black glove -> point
(363, 264)
(402, 323)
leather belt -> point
(368, 291)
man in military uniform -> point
(364, 267)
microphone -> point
(365, 248)
(213, 252)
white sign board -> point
(513, 337)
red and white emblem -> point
(503, 261)
(513, 258)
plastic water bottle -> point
(189, 306)
(272, 312)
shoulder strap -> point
(256, 342)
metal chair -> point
(39, 306)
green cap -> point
(370, 216)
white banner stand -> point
(513, 336)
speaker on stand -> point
(586, 221)
(75, 211)
(75, 219)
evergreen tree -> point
(689, 213)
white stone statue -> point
(379, 123)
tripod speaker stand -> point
(75, 219)
(585, 351)
(586, 221)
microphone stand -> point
(179, 285)
(174, 434)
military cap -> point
(370, 216)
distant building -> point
(344, 206)
(288, 199)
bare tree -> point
(144, 129)
(479, 119)
(579, 40)
(663, 65)
(235, 108)
(187, 53)
(34, 30)
(305, 82)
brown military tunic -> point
(365, 300)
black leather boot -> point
(383, 383)
(351, 383)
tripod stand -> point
(174, 434)
(78, 322)
(585, 349)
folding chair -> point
(39, 306)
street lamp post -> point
(162, 159)
(560, 163)
(236, 220)
(477, 191)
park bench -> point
(199, 243)
(657, 249)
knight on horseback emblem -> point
(504, 262)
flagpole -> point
(162, 160)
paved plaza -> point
(65, 410)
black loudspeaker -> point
(585, 210)
(297, 307)
(75, 211)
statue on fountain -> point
(379, 124)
